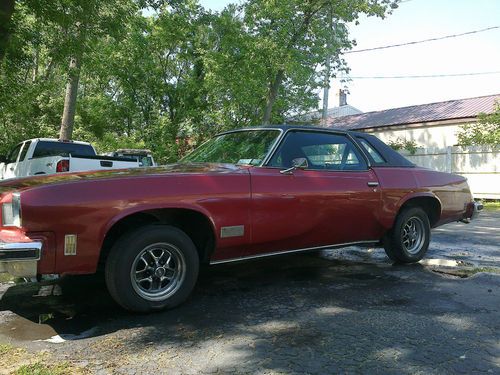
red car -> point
(244, 194)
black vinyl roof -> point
(391, 156)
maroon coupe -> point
(244, 194)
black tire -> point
(152, 252)
(409, 238)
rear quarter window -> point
(374, 154)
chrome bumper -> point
(478, 207)
(20, 258)
(473, 210)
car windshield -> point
(248, 147)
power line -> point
(423, 40)
(427, 76)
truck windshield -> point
(48, 148)
(248, 147)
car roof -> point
(286, 127)
(59, 141)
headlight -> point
(11, 211)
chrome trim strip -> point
(15, 247)
(272, 149)
(264, 255)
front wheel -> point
(152, 268)
(409, 238)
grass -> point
(5, 277)
(5, 348)
(18, 361)
(491, 204)
(39, 368)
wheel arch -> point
(429, 202)
(196, 223)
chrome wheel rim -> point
(158, 271)
(413, 235)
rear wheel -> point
(409, 238)
(152, 268)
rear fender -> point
(396, 208)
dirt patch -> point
(466, 272)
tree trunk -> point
(272, 95)
(6, 10)
(68, 117)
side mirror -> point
(298, 163)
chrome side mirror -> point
(298, 163)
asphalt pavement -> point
(341, 311)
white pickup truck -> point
(48, 156)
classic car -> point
(244, 194)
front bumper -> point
(473, 210)
(20, 258)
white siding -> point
(424, 136)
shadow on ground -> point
(297, 313)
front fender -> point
(149, 207)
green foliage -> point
(486, 131)
(403, 144)
(168, 80)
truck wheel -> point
(152, 268)
(409, 238)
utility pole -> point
(326, 83)
(326, 91)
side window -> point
(12, 157)
(322, 151)
(375, 155)
(24, 151)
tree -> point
(6, 10)
(486, 131)
(82, 23)
(294, 40)
(166, 80)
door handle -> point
(372, 183)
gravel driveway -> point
(344, 311)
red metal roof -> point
(452, 109)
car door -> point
(334, 200)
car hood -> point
(170, 169)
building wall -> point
(438, 134)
